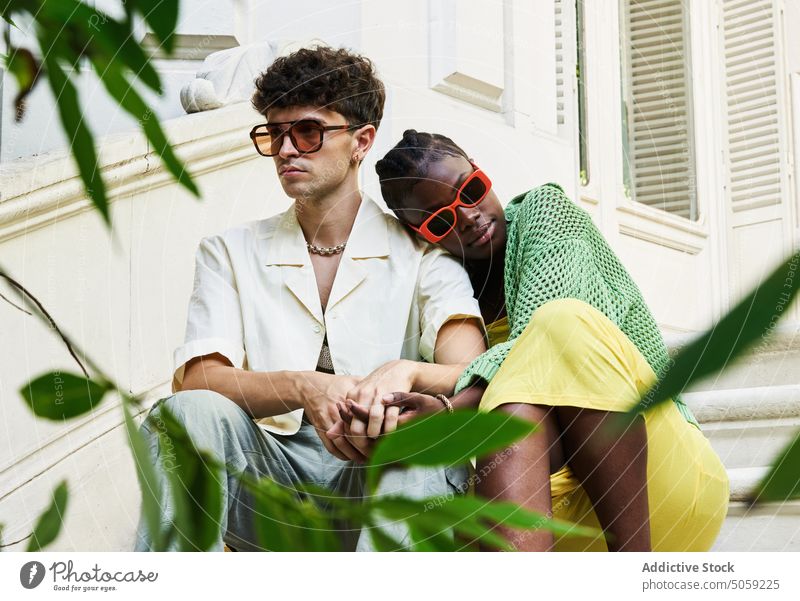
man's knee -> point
(192, 407)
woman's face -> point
(480, 231)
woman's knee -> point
(570, 326)
(561, 312)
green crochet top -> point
(555, 251)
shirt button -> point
(317, 329)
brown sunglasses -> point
(306, 135)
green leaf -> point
(513, 516)
(428, 537)
(127, 97)
(750, 320)
(446, 439)
(195, 482)
(285, 521)
(782, 482)
(472, 518)
(59, 396)
(331, 503)
(21, 63)
(49, 523)
(7, 18)
(383, 541)
(148, 481)
(162, 16)
(101, 34)
(78, 135)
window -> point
(658, 161)
(580, 73)
(751, 85)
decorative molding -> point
(460, 66)
(662, 228)
(35, 191)
(471, 90)
(189, 46)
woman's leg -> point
(521, 473)
(612, 471)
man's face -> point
(311, 176)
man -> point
(330, 300)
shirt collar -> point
(368, 238)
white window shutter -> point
(560, 61)
(658, 99)
(754, 142)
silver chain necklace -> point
(326, 250)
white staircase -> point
(750, 412)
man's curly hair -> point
(323, 77)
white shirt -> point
(255, 300)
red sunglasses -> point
(474, 189)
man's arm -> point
(458, 342)
(264, 394)
(259, 394)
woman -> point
(571, 343)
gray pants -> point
(219, 425)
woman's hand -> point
(410, 405)
(394, 375)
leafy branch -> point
(69, 33)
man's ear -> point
(364, 138)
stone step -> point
(770, 361)
(767, 527)
(748, 427)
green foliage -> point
(471, 519)
(148, 481)
(70, 32)
(59, 396)
(445, 439)
(782, 482)
(49, 524)
(195, 480)
(161, 16)
(288, 521)
(751, 319)
(25, 69)
(125, 95)
(79, 136)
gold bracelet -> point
(446, 402)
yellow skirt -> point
(571, 354)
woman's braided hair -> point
(407, 163)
